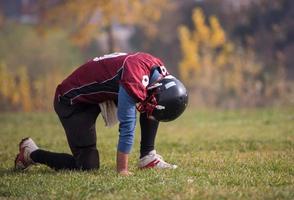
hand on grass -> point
(125, 173)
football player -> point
(115, 85)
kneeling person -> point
(115, 85)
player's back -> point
(102, 75)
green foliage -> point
(32, 65)
(22, 45)
(244, 154)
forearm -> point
(127, 118)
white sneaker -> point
(153, 160)
(23, 159)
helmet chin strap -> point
(149, 105)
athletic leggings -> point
(79, 122)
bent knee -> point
(88, 159)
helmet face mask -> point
(167, 99)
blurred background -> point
(229, 53)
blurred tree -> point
(4, 80)
(207, 43)
(264, 26)
(8, 95)
(15, 92)
(268, 28)
(219, 73)
(20, 45)
(44, 90)
(24, 89)
(220, 69)
(166, 44)
(85, 19)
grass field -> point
(245, 154)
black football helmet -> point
(167, 99)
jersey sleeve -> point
(135, 78)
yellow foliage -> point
(217, 37)
(8, 87)
(44, 90)
(87, 19)
(202, 31)
(4, 79)
(18, 92)
(14, 95)
(199, 46)
(215, 69)
(190, 62)
(39, 97)
(24, 90)
(224, 56)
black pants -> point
(79, 122)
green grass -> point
(244, 154)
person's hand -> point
(125, 173)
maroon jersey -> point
(98, 80)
